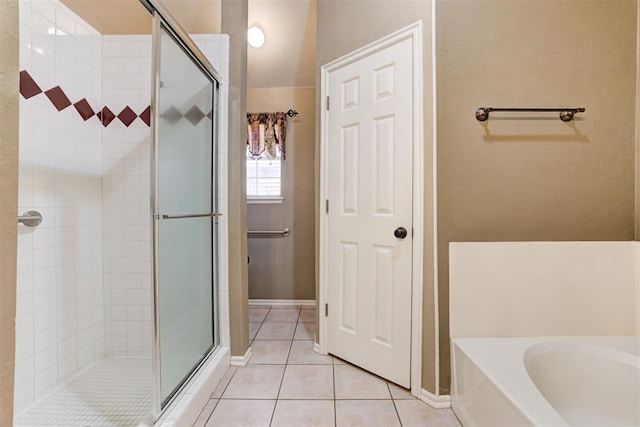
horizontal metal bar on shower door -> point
(205, 215)
(284, 233)
(566, 114)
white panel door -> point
(370, 196)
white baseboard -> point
(438, 402)
(242, 361)
(284, 302)
(316, 348)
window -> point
(264, 177)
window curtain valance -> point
(266, 132)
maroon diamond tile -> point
(172, 115)
(58, 98)
(84, 109)
(106, 116)
(145, 116)
(194, 115)
(127, 116)
(28, 86)
(210, 115)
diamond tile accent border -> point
(145, 116)
(58, 98)
(29, 88)
(84, 109)
(172, 115)
(127, 116)
(194, 115)
(106, 116)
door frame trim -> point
(414, 33)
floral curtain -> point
(265, 133)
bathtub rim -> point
(501, 361)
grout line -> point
(261, 324)
(335, 409)
(210, 413)
(281, 381)
(227, 386)
(394, 404)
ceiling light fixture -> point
(255, 36)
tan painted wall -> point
(346, 25)
(8, 201)
(284, 268)
(130, 17)
(234, 23)
(637, 195)
(288, 55)
(533, 179)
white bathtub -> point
(546, 381)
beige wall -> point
(284, 268)
(346, 25)
(130, 17)
(288, 55)
(533, 180)
(637, 153)
(8, 201)
(513, 179)
(234, 23)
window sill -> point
(265, 200)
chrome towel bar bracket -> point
(30, 218)
(566, 114)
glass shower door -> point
(185, 221)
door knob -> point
(400, 232)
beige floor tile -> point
(255, 382)
(307, 382)
(224, 382)
(354, 383)
(283, 315)
(307, 315)
(206, 413)
(302, 354)
(234, 413)
(305, 331)
(276, 331)
(253, 329)
(308, 413)
(366, 413)
(414, 413)
(398, 392)
(257, 314)
(269, 352)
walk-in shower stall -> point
(121, 303)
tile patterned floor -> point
(112, 392)
(287, 384)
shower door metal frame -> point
(162, 19)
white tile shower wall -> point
(126, 65)
(60, 321)
(216, 49)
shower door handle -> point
(207, 215)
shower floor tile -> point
(112, 392)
